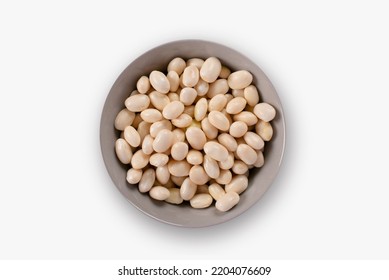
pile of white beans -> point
(193, 134)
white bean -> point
(178, 180)
(201, 87)
(194, 157)
(177, 64)
(190, 77)
(225, 72)
(175, 197)
(219, 86)
(188, 95)
(236, 105)
(159, 159)
(147, 181)
(143, 130)
(173, 110)
(137, 103)
(159, 193)
(200, 109)
(238, 129)
(139, 159)
(188, 189)
(184, 120)
(179, 150)
(228, 163)
(202, 200)
(240, 79)
(198, 175)
(211, 167)
(163, 175)
(159, 81)
(196, 137)
(210, 131)
(219, 120)
(151, 115)
(123, 151)
(198, 62)
(238, 184)
(163, 141)
(254, 140)
(260, 160)
(225, 177)
(239, 167)
(216, 151)
(155, 128)
(227, 201)
(179, 135)
(143, 84)
(251, 95)
(147, 145)
(217, 103)
(264, 129)
(265, 111)
(247, 154)
(134, 175)
(124, 118)
(159, 100)
(179, 168)
(247, 117)
(216, 191)
(132, 136)
(174, 80)
(210, 69)
(228, 141)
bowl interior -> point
(158, 58)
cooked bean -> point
(159, 159)
(202, 200)
(173, 110)
(147, 180)
(177, 64)
(162, 173)
(238, 184)
(251, 95)
(236, 105)
(217, 103)
(184, 120)
(227, 141)
(188, 189)
(124, 118)
(188, 95)
(137, 103)
(216, 151)
(139, 159)
(238, 129)
(198, 175)
(219, 120)
(198, 62)
(123, 151)
(201, 87)
(196, 137)
(210, 131)
(134, 175)
(247, 117)
(159, 81)
(211, 167)
(159, 193)
(147, 145)
(200, 109)
(159, 100)
(227, 201)
(190, 77)
(163, 141)
(247, 154)
(240, 79)
(155, 128)
(179, 150)
(239, 167)
(175, 197)
(260, 160)
(265, 111)
(174, 80)
(132, 136)
(264, 129)
(143, 84)
(194, 157)
(225, 72)
(151, 115)
(179, 168)
(216, 191)
(219, 86)
(254, 140)
(210, 69)
(225, 177)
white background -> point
(329, 62)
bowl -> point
(158, 59)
